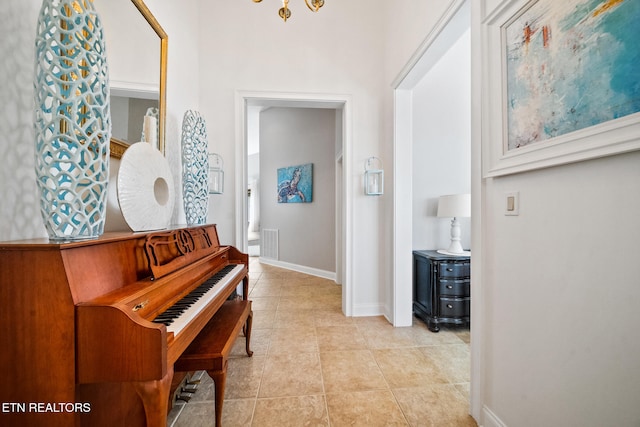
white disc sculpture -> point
(145, 188)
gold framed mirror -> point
(132, 34)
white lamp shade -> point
(454, 206)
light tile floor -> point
(312, 366)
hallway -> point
(314, 366)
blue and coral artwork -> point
(295, 184)
(570, 65)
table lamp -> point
(454, 206)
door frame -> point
(454, 21)
(344, 202)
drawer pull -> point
(449, 306)
(449, 286)
(449, 269)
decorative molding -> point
(117, 147)
(171, 250)
(135, 90)
(432, 43)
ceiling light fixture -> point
(285, 13)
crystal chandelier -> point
(285, 13)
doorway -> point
(454, 23)
(247, 103)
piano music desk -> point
(209, 351)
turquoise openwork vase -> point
(195, 168)
(72, 119)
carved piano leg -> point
(155, 398)
(247, 333)
(219, 379)
(245, 287)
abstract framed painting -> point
(567, 78)
(295, 184)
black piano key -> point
(173, 312)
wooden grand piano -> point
(78, 341)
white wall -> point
(559, 289)
(135, 63)
(245, 46)
(561, 292)
(292, 137)
(19, 206)
(442, 145)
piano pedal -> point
(185, 389)
(191, 387)
(185, 397)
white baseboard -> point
(490, 419)
(299, 268)
(368, 310)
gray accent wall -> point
(291, 137)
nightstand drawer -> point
(454, 307)
(455, 287)
(450, 269)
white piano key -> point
(180, 322)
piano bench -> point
(210, 350)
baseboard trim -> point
(490, 419)
(368, 310)
(299, 268)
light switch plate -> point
(512, 203)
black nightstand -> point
(441, 288)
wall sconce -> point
(373, 178)
(455, 206)
(216, 174)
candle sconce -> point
(373, 177)
(216, 174)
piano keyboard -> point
(178, 316)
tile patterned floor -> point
(312, 366)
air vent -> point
(269, 244)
